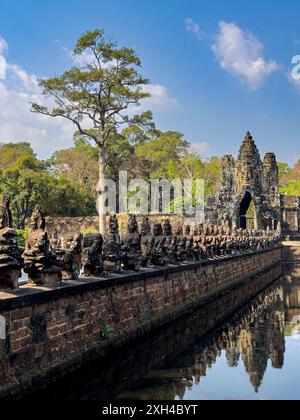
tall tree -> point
(96, 96)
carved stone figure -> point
(171, 241)
(131, 246)
(147, 242)
(10, 255)
(92, 262)
(112, 258)
(68, 251)
(40, 261)
(189, 244)
(181, 251)
(159, 252)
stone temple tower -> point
(247, 183)
(249, 166)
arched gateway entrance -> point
(246, 212)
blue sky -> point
(218, 68)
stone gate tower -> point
(245, 182)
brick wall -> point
(51, 331)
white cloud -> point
(3, 47)
(203, 149)
(159, 99)
(241, 54)
(192, 26)
(46, 134)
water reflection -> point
(255, 354)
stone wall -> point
(46, 333)
(290, 213)
(85, 225)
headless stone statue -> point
(159, 253)
(112, 258)
(40, 261)
(10, 254)
(92, 262)
(147, 242)
(131, 246)
(68, 251)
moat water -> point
(253, 355)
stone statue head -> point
(72, 242)
(157, 229)
(132, 226)
(37, 221)
(113, 224)
(146, 227)
(188, 230)
(167, 228)
(178, 230)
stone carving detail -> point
(41, 263)
(247, 181)
(170, 244)
(112, 255)
(10, 254)
(92, 261)
(68, 250)
(147, 242)
(159, 251)
(131, 246)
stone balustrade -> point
(52, 260)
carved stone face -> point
(157, 229)
(167, 228)
(9, 237)
(113, 224)
(178, 230)
(188, 230)
(72, 242)
(132, 225)
(146, 227)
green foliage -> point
(283, 168)
(107, 331)
(290, 179)
(293, 188)
(22, 237)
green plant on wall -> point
(107, 331)
(22, 237)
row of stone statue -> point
(48, 261)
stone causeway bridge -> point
(85, 297)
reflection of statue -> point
(147, 242)
(68, 251)
(92, 255)
(159, 256)
(10, 255)
(112, 247)
(40, 261)
(131, 246)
